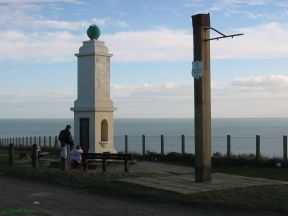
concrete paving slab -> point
(181, 179)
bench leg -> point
(104, 165)
(84, 164)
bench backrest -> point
(107, 156)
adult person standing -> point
(66, 139)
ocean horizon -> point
(242, 131)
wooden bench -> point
(86, 157)
(42, 154)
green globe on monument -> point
(93, 32)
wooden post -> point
(104, 159)
(257, 147)
(11, 154)
(35, 140)
(285, 151)
(50, 143)
(56, 143)
(228, 146)
(126, 144)
(202, 98)
(26, 144)
(34, 156)
(126, 168)
(162, 144)
(39, 141)
(143, 145)
(183, 144)
(45, 143)
(30, 142)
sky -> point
(152, 46)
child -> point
(76, 156)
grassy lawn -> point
(257, 198)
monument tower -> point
(93, 109)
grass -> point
(257, 198)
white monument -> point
(93, 109)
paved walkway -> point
(177, 178)
(181, 179)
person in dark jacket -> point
(66, 139)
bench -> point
(104, 157)
(42, 154)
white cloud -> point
(259, 42)
(257, 2)
(64, 25)
(38, 46)
(259, 96)
(154, 45)
(40, 96)
(19, 2)
(264, 81)
(28, 15)
(267, 41)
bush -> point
(217, 159)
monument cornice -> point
(93, 53)
(86, 109)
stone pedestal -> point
(93, 109)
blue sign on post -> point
(197, 69)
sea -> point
(243, 133)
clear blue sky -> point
(152, 46)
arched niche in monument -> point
(104, 131)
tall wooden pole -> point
(202, 98)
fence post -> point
(162, 144)
(143, 145)
(228, 146)
(34, 156)
(126, 144)
(285, 151)
(44, 142)
(56, 143)
(30, 146)
(257, 147)
(183, 144)
(11, 154)
(49, 143)
(39, 141)
(35, 140)
(26, 143)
